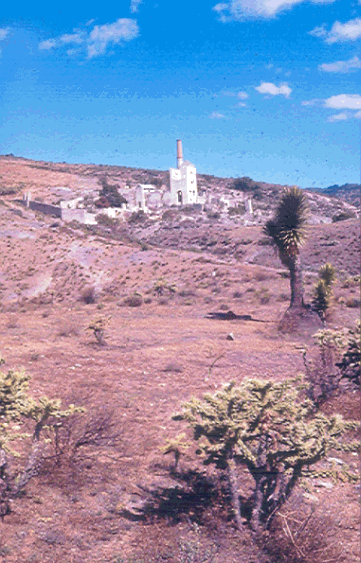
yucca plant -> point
(322, 291)
(287, 231)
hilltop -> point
(44, 179)
(347, 192)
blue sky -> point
(263, 88)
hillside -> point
(156, 282)
(347, 192)
(43, 180)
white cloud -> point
(134, 6)
(339, 32)
(98, 39)
(344, 101)
(243, 9)
(216, 115)
(343, 116)
(123, 29)
(242, 95)
(349, 31)
(341, 66)
(273, 90)
(48, 44)
(313, 102)
(319, 31)
(4, 32)
(358, 115)
(77, 38)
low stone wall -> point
(45, 208)
(80, 215)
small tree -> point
(109, 195)
(270, 430)
(287, 231)
(21, 452)
(98, 327)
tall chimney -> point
(179, 153)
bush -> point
(322, 292)
(343, 216)
(234, 211)
(109, 195)
(20, 413)
(135, 300)
(269, 429)
(88, 295)
(138, 217)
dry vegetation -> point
(106, 492)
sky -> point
(269, 89)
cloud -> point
(4, 32)
(244, 9)
(358, 115)
(273, 90)
(313, 102)
(349, 31)
(48, 44)
(134, 5)
(344, 101)
(242, 95)
(97, 40)
(343, 116)
(339, 32)
(216, 115)
(341, 66)
(77, 38)
(101, 36)
(319, 31)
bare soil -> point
(156, 356)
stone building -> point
(183, 181)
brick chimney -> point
(179, 153)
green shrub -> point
(270, 430)
(322, 292)
(23, 419)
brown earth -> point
(157, 355)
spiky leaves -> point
(287, 231)
(287, 228)
(270, 429)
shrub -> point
(88, 295)
(271, 430)
(19, 413)
(322, 292)
(338, 357)
(138, 217)
(234, 211)
(106, 221)
(109, 195)
(98, 327)
(135, 300)
(343, 216)
(353, 303)
(350, 363)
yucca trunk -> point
(293, 263)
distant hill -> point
(351, 193)
(44, 180)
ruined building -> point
(183, 181)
